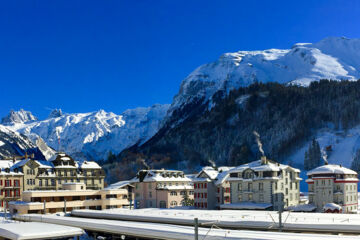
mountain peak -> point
(55, 113)
(20, 116)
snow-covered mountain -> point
(94, 134)
(16, 144)
(20, 116)
(335, 58)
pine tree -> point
(312, 157)
(355, 165)
(186, 200)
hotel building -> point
(161, 188)
(263, 184)
(334, 186)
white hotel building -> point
(333, 185)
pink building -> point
(162, 189)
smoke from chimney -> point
(142, 160)
(257, 137)
(212, 163)
(324, 157)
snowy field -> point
(172, 232)
(235, 219)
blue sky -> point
(87, 55)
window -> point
(150, 194)
(182, 193)
(7, 183)
(276, 185)
(205, 195)
(205, 185)
(261, 198)
(173, 193)
(52, 182)
(249, 186)
(250, 197)
(150, 186)
(239, 186)
(240, 198)
(261, 186)
(137, 186)
(173, 203)
(40, 183)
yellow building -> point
(52, 174)
(73, 196)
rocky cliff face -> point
(92, 135)
(15, 144)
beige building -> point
(73, 196)
(209, 188)
(127, 185)
(263, 184)
(161, 188)
(10, 183)
(52, 174)
(333, 188)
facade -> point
(264, 184)
(73, 196)
(207, 193)
(162, 188)
(127, 186)
(11, 184)
(333, 188)
(52, 174)
(223, 191)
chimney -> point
(264, 160)
(32, 156)
(14, 159)
(26, 155)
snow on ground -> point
(36, 230)
(172, 232)
(234, 218)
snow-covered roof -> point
(209, 171)
(37, 230)
(6, 163)
(89, 165)
(161, 176)
(118, 185)
(217, 174)
(332, 206)
(331, 169)
(259, 166)
(246, 205)
(302, 208)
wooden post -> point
(196, 223)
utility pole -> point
(65, 206)
(196, 224)
(281, 209)
(44, 206)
